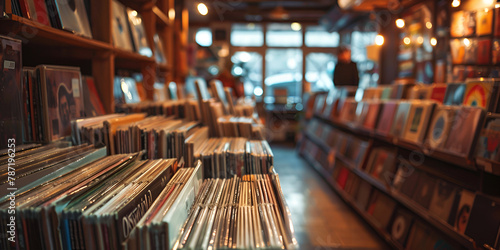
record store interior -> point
(250, 124)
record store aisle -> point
(320, 218)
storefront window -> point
(319, 71)
(284, 72)
(204, 37)
(248, 35)
(248, 67)
(317, 36)
(284, 35)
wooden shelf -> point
(161, 18)
(164, 68)
(34, 34)
(408, 203)
(131, 60)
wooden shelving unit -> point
(98, 56)
(445, 166)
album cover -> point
(406, 180)
(128, 89)
(495, 57)
(62, 99)
(372, 115)
(464, 131)
(440, 71)
(438, 92)
(440, 125)
(457, 28)
(386, 93)
(469, 23)
(73, 17)
(496, 28)
(483, 51)
(92, 102)
(418, 120)
(401, 225)
(459, 74)
(482, 93)
(120, 26)
(484, 22)
(386, 119)
(381, 208)
(138, 33)
(443, 199)
(454, 94)
(488, 145)
(461, 210)
(400, 119)
(424, 237)
(401, 88)
(11, 102)
(38, 11)
(425, 190)
(342, 178)
(471, 50)
(457, 48)
(363, 195)
(484, 220)
(348, 112)
(420, 92)
(382, 164)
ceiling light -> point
(400, 23)
(434, 41)
(202, 9)
(379, 40)
(455, 3)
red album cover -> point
(386, 117)
(42, 15)
(342, 178)
(438, 92)
(483, 51)
(93, 104)
(24, 8)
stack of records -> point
(240, 213)
(227, 157)
(181, 109)
(232, 126)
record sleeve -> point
(381, 164)
(92, 102)
(457, 48)
(159, 51)
(454, 94)
(420, 92)
(482, 93)
(483, 51)
(74, 17)
(400, 119)
(424, 190)
(496, 28)
(38, 11)
(484, 221)
(438, 92)
(120, 26)
(386, 93)
(484, 22)
(386, 119)
(401, 225)
(138, 33)
(372, 115)
(418, 121)
(469, 23)
(471, 50)
(488, 146)
(461, 210)
(443, 199)
(495, 58)
(363, 195)
(440, 126)
(424, 237)
(381, 208)
(464, 131)
(11, 102)
(406, 180)
(62, 99)
(128, 89)
(457, 28)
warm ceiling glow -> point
(434, 41)
(428, 25)
(202, 8)
(296, 26)
(455, 3)
(407, 40)
(488, 2)
(171, 14)
(467, 42)
(497, 5)
(134, 13)
(400, 23)
(420, 40)
(379, 40)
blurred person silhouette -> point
(346, 71)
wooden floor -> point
(321, 219)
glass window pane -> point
(204, 37)
(248, 66)
(250, 35)
(282, 35)
(317, 36)
(319, 71)
(359, 41)
(284, 72)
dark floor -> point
(320, 218)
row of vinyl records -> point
(43, 105)
(385, 187)
(73, 16)
(76, 197)
(427, 123)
